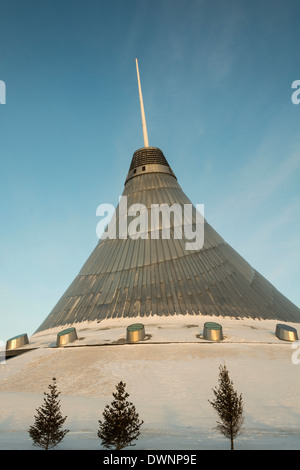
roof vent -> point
(135, 332)
(66, 336)
(212, 331)
(286, 332)
(17, 341)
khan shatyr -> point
(139, 277)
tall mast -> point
(145, 134)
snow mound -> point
(169, 377)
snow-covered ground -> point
(169, 377)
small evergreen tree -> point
(121, 424)
(229, 406)
(47, 430)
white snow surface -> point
(169, 376)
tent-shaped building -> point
(133, 277)
(151, 273)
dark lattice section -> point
(148, 156)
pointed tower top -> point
(147, 159)
(145, 134)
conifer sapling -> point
(47, 430)
(121, 424)
(229, 406)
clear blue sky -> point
(216, 78)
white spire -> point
(145, 134)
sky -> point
(217, 85)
